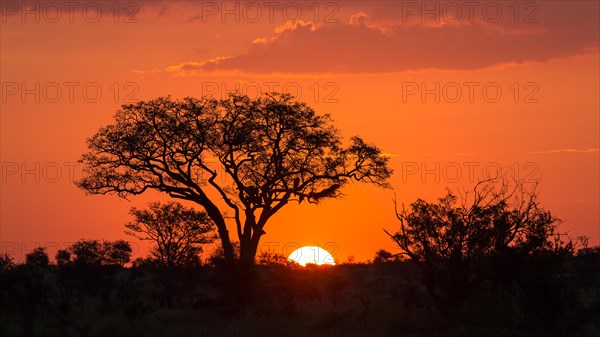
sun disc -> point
(311, 254)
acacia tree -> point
(256, 155)
(457, 240)
(178, 232)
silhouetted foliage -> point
(257, 154)
(551, 293)
(268, 258)
(96, 253)
(62, 257)
(382, 256)
(177, 232)
(483, 236)
(6, 262)
(117, 253)
(87, 252)
(37, 258)
(218, 256)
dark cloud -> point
(363, 47)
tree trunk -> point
(254, 243)
(246, 287)
(249, 248)
(247, 254)
(216, 216)
(226, 243)
(244, 252)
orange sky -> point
(366, 64)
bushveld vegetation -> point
(486, 268)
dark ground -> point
(381, 299)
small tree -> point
(62, 257)
(96, 253)
(37, 258)
(455, 243)
(177, 232)
(87, 253)
(117, 253)
(383, 255)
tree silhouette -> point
(256, 154)
(178, 232)
(456, 243)
(6, 262)
(87, 253)
(117, 253)
(96, 253)
(37, 258)
(62, 257)
(383, 255)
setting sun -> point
(311, 254)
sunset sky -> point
(451, 90)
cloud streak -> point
(590, 150)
